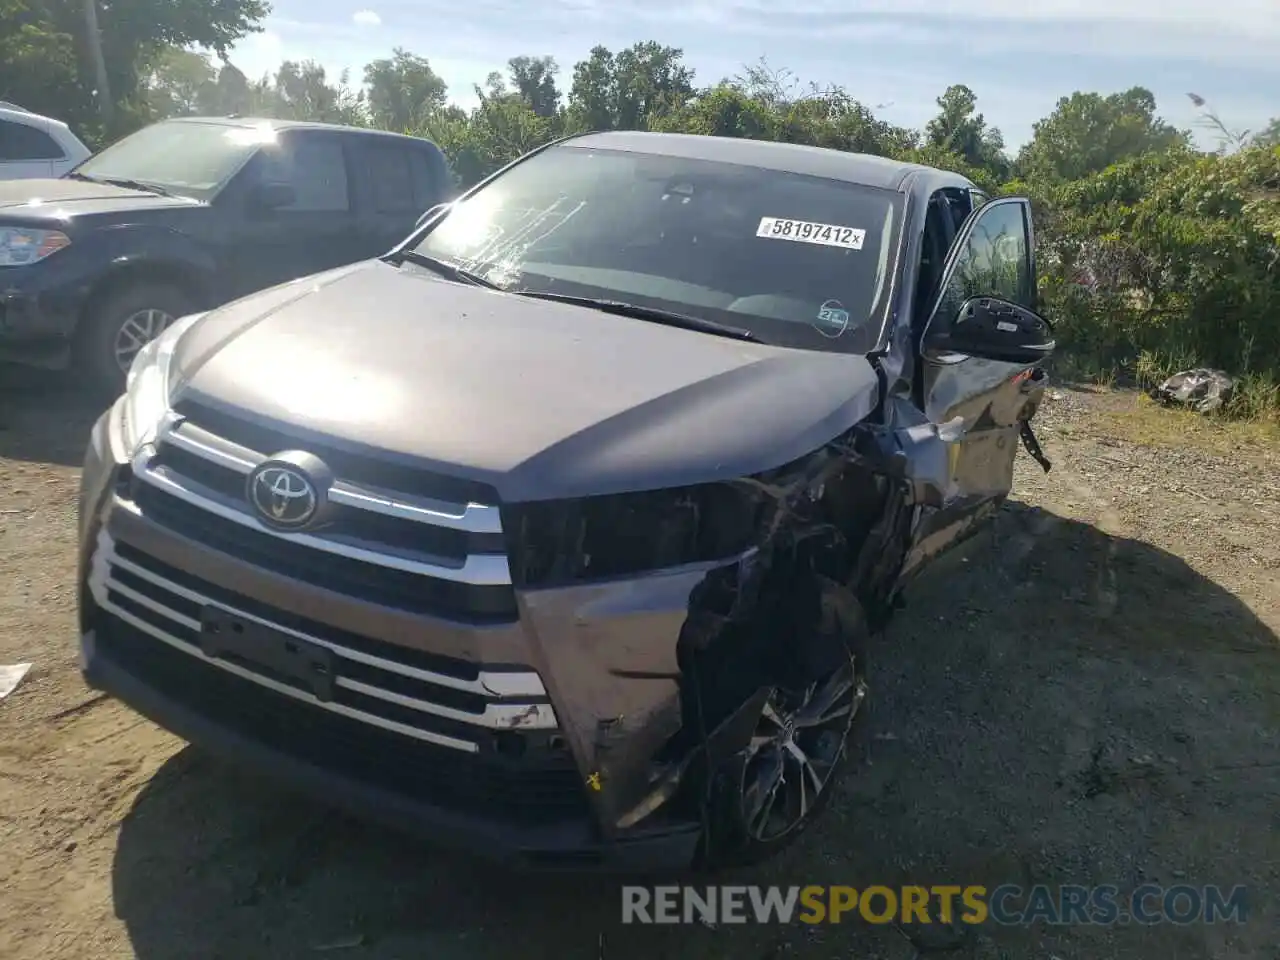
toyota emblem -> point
(285, 493)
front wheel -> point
(121, 325)
(780, 784)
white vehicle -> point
(36, 146)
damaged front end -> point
(660, 621)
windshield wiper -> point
(616, 307)
(636, 311)
(123, 182)
(445, 269)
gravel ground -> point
(1085, 694)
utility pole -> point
(105, 102)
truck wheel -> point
(766, 796)
(119, 326)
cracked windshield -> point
(685, 234)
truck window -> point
(428, 186)
(18, 142)
(390, 178)
(316, 169)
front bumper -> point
(568, 845)
(40, 307)
(597, 649)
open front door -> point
(977, 404)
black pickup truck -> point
(190, 213)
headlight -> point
(557, 542)
(22, 245)
(146, 398)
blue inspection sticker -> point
(833, 319)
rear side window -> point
(391, 178)
(401, 177)
(428, 188)
(21, 142)
(316, 168)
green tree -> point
(44, 54)
(722, 111)
(233, 93)
(401, 87)
(627, 91)
(959, 129)
(38, 64)
(1088, 132)
(300, 90)
(180, 83)
(502, 128)
(1269, 136)
(592, 97)
(535, 80)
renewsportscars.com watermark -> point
(1007, 905)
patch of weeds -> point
(1145, 422)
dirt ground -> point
(1086, 694)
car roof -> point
(273, 124)
(11, 111)
(860, 168)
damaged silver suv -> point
(557, 533)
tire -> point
(126, 318)
(735, 835)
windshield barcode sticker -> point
(802, 231)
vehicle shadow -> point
(45, 416)
(1055, 705)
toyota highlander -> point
(557, 533)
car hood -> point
(62, 199)
(539, 399)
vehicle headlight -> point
(575, 541)
(23, 245)
(146, 392)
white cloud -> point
(366, 18)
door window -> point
(316, 168)
(427, 190)
(993, 261)
(391, 179)
(933, 254)
(20, 142)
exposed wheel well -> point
(822, 579)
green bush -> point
(1184, 253)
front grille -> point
(432, 698)
(347, 522)
(372, 582)
(531, 791)
(350, 461)
(465, 670)
(408, 550)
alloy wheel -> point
(799, 739)
(136, 332)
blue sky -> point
(1019, 56)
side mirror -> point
(431, 214)
(271, 196)
(995, 329)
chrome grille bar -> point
(470, 517)
(485, 569)
(493, 685)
